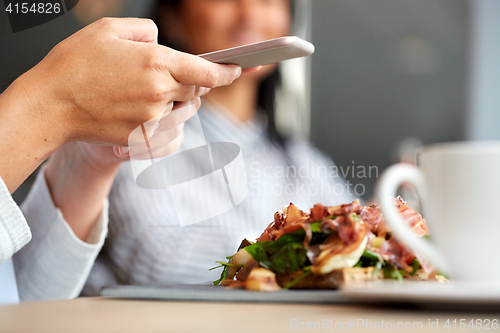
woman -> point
(146, 244)
(93, 88)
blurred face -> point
(211, 25)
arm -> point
(28, 135)
(67, 210)
(56, 263)
(79, 177)
(14, 231)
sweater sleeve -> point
(14, 231)
(56, 263)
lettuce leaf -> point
(285, 255)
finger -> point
(121, 152)
(167, 142)
(197, 103)
(251, 70)
(165, 135)
(192, 70)
(133, 29)
(181, 113)
(160, 145)
(146, 130)
(184, 93)
(204, 92)
(160, 138)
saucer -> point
(426, 293)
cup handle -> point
(386, 189)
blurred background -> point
(387, 77)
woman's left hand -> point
(79, 175)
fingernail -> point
(123, 150)
(238, 72)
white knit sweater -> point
(14, 230)
(55, 264)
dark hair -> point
(266, 99)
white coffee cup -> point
(459, 189)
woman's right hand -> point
(97, 86)
(112, 76)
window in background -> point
(387, 74)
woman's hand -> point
(97, 86)
(79, 175)
(112, 76)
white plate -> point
(213, 293)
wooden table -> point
(112, 315)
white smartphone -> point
(262, 53)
